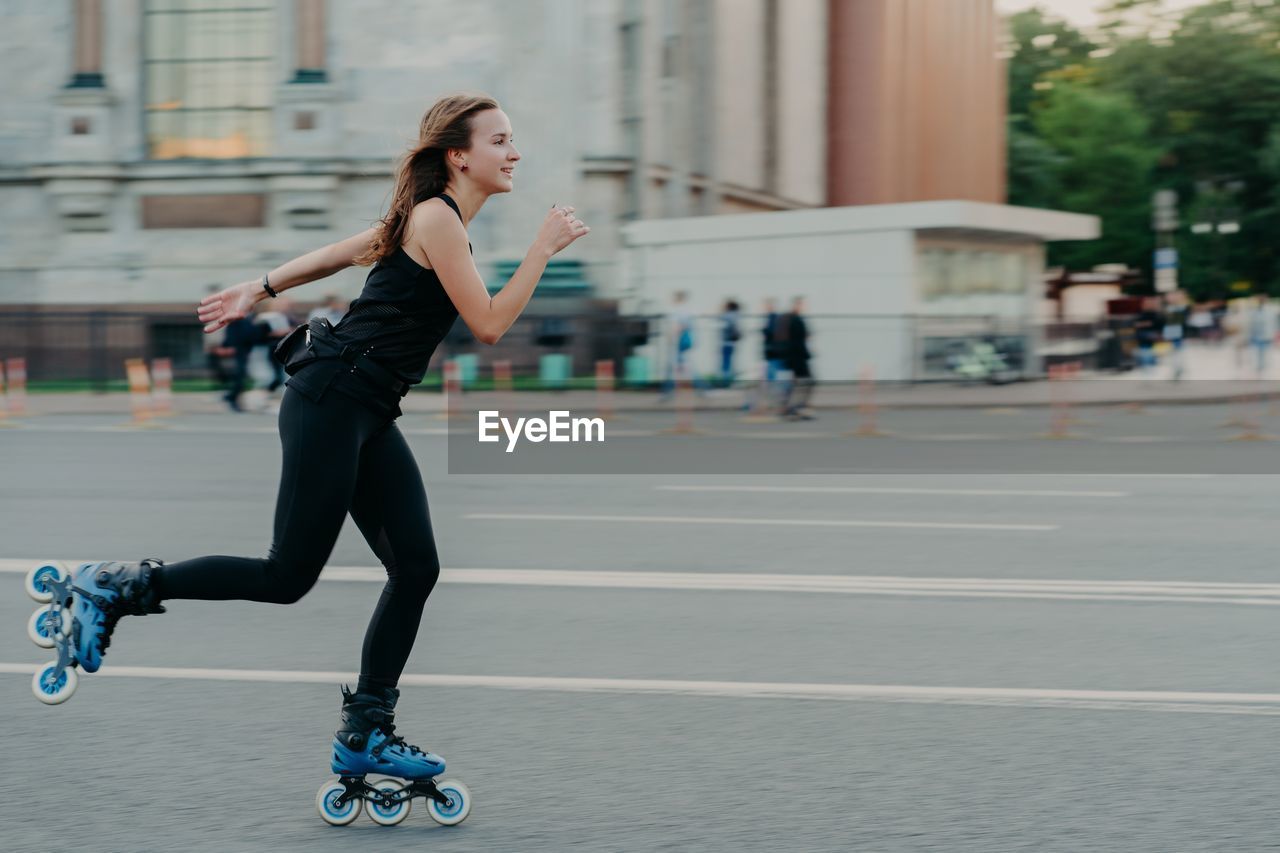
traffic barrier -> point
(604, 389)
(503, 386)
(1071, 375)
(140, 393)
(868, 411)
(17, 387)
(1059, 401)
(555, 369)
(1240, 417)
(162, 387)
(4, 405)
(452, 389)
(759, 408)
(684, 404)
(1250, 426)
(468, 369)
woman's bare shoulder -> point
(432, 209)
(432, 216)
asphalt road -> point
(943, 651)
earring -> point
(464, 167)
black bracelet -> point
(267, 287)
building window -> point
(209, 76)
(958, 271)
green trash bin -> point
(553, 370)
(468, 366)
(635, 371)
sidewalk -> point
(1211, 376)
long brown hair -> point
(423, 172)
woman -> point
(342, 449)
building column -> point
(309, 38)
(87, 73)
(81, 132)
(306, 123)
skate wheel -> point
(459, 803)
(387, 815)
(42, 626)
(51, 687)
(331, 813)
(37, 582)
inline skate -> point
(367, 743)
(84, 607)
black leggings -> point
(339, 456)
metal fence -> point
(92, 346)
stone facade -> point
(75, 176)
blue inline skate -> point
(84, 607)
(367, 743)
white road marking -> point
(757, 522)
(937, 473)
(126, 427)
(1178, 592)
(872, 490)
(1132, 700)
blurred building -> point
(894, 289)
(917, 102)
(150, 149)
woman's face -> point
(493, 156)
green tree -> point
(1187, 100)
(1104, 167)
(1211, 95)
(1033, 167)
(1039, 45)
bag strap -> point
(323, 339)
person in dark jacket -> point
(729, 337)
(793, 335)
(241, 336)
(767, 394)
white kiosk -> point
(889, 288)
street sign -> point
(1166, 280)
(1166, 259)
(1164, 211)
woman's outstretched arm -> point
(440, 235)
(221, 308)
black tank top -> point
(399, 319)
(401, 315)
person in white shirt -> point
(333, 309)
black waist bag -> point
(315, 341)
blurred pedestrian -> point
(242, 335)
(1262, 331)
(333, 309)
(680, 342)
(1235, 331)
(768, 392)
(274, 323)
(342, 450)
(1147, 328)
(217, 355)
(1175, 330)
(730, 334)
(794, 334)
(1200, 323)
